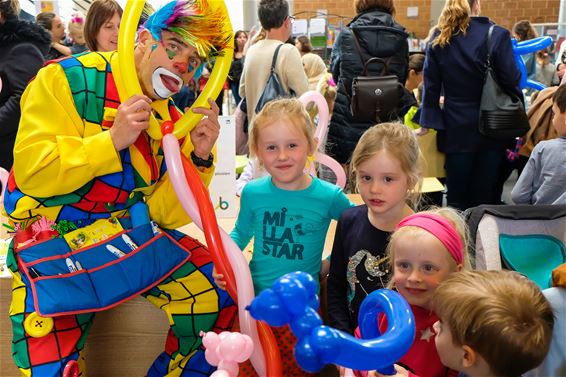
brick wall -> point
(504, 12)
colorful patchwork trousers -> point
(43, 346)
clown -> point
(81, 158)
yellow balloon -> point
(127, 81)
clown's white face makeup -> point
(165, 83)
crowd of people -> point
(65, 121)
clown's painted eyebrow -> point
(179, 41)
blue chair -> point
(533, 255)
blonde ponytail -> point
(454, 19)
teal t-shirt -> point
(289, 227)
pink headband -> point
(439, 227)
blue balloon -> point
(319, 345)
(527, 47)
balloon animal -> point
(320, 134)
(526, 47)
(226, 350)
(292, 300)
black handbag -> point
(374, 99)
(273, 88)
(502, 115)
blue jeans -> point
(235, 87)
(471, 178)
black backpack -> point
(374, 99)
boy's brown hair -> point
(501, 315)
(559, 98)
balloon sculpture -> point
(320, 134)
(232, 264)
(4, 181)
(226, 350)
(292, 300)
(526, 47)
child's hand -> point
(401, 372)
(218, 279)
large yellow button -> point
(37, 326)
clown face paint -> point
(166, 65)
(165, 83)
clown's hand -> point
(205, 133)
(132, 118)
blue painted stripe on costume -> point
(70, 62)
(11, 200)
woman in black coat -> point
(379, 36)
(455, 65)
(22, 47)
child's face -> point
(450, 354)
(382, 183)
(283, 149)
(421, 263)
(78, 37)
(559, 120)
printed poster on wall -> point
(223, 185)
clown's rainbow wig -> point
(199, 24)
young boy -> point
(544, 178)
(492, 323)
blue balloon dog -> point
(292, 300)
(526, 47)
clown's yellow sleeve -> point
(55, 152)
(164, 205)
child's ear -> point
(469, 358)
(459, 267)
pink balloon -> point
(211, 355)
(4, 179)
(221, 373)
(334, 166)
(210, 340)
(244, 284)
(323, 114)
(232, 346)
(229, 366)
(248, 349)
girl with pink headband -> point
(424, 250)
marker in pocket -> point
(114, 250)
(131, 244)
(154, 228)
(33, 273)
(70, 265)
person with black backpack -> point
(373, 33)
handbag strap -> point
(275, 58)
(371, 59)
(488, 43)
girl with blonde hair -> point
(386, 169)
(424, 251)
(455, 65)
(288, 212)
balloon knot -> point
(167, 127)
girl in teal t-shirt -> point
(288, 212)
